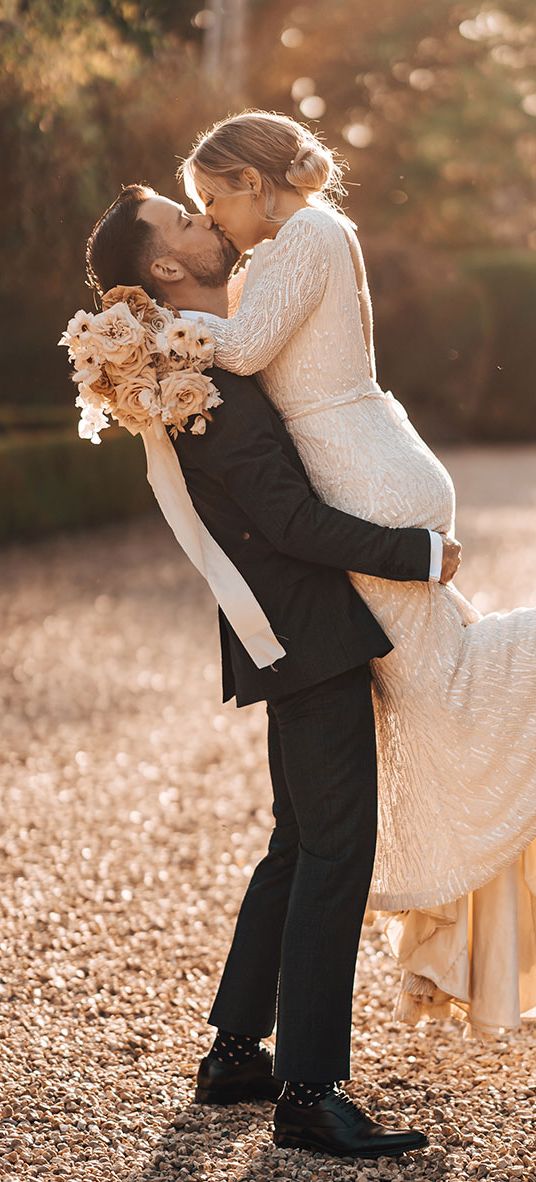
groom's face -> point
(188, 241)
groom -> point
(296, 937)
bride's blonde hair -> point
(287, 155)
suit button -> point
(246, 536)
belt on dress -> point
(351, 396)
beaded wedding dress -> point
(455, 701)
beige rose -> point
(184, 394)
(101, 385)
(135, 401)
(130, 366)
(141, 305)
(154, 324)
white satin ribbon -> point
(230, 589)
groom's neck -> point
(203, 299)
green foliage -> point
(430, 339)
(55, 481)
(456, 341)
(506, 283)
(436, 97)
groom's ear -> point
(167, 269)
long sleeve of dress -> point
(291, 285)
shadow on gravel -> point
(205, 1142)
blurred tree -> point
(224, 23)
(433, 104)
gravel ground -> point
(136, 807)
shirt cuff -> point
(436, 555)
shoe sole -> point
(292, 1140)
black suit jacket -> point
(250, 488)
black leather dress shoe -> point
(336, 1125)
(225, 1083)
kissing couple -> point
(401, 721)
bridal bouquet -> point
(135, 360)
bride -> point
(455, 701)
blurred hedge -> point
(455, 340)
(56, 480)
(506, 283)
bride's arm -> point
(290, 287)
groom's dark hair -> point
(121, 245)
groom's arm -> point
(241, 449)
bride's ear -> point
(252, 179)
(167, 269)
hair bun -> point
(311, 168)
(302, 154)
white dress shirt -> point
(436, 555)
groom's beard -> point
(213, 269)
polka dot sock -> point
(305, 1093)
(234, 1048)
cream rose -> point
(117, 334)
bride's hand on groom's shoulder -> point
(452, 556)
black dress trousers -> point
(294, 948)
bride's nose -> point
(205, 220)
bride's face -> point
(238, 215)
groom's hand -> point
(452, 556)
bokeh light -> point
(292, 38)
(359, 135)
(302, 88)
(313, 107)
